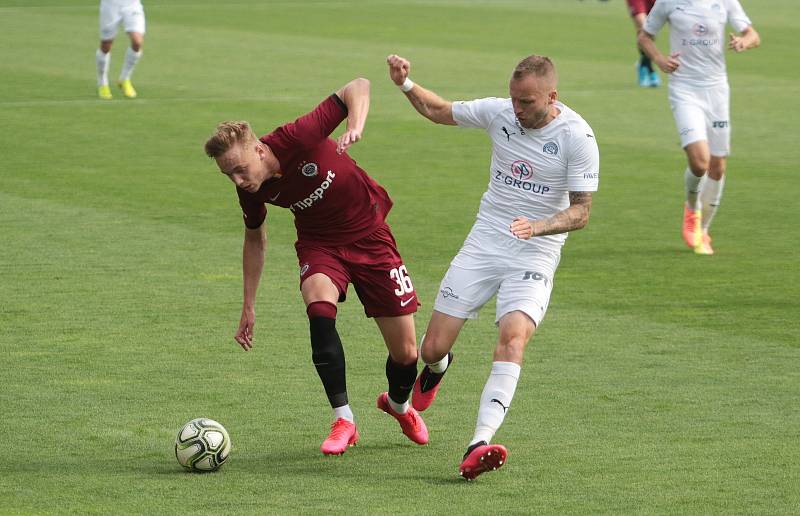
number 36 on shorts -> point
(400, 276)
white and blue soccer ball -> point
(202, 445)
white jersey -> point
(697, 31)
(532, 170)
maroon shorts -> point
(640, 6)
(372, 265)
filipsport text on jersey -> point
(316, 195)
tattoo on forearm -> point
(572, 218)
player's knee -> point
(699, 163)
(321, 309)
(405, 355)
(510, 348)
(433, 349)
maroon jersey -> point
(333, 200)
(640, 6)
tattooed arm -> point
(574, 217)
(427, 103)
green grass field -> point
(660, 381)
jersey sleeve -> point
(583, 160)
(737, 18)
(477, 113)
(254, 212)
(658, 16)
(316, 125)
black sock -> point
(401, 380)
(645, 61)
(328, 356)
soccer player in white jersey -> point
(543, 170)
(130, 13)
(699, 96)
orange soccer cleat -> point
(692, 233)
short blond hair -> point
(538, 66)
(228, 134)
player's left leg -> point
(132, 56)
(401, 371)
(516, 329)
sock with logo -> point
(327, 351)
(710, 196)
(401, 381)
(495, 400)
(103, 61)
(131, 58)
(693, 188)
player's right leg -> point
(435, 348)
(320, 295)
(109, 20)
(699, 159)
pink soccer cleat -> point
(427, 385)
(692, 233)
(482, 457)
(343, 435)
(411, 422)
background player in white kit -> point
(131, 14)
(545, 164)
(699, 96)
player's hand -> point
(347, 139)
(669, 64)
(736, 43)
(244, 335)
(522, 228)
(398, 68)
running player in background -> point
(342, 237)
(648, 78)
(543, 170)
(131, 14)
(699, 96)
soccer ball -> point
(202, 445)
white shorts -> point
(129, 12)
(488, 264)
(702, 114)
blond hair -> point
(226, 135)
(538, 66)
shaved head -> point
(540, 67)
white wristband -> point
(407, 85)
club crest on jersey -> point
(699, 29)
(550, 148)
(309, 169)
(522, 170)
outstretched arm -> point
(355, 95)
(647, 43)
(427, 103)
(255, 243)
(570, 219)
(748, 39)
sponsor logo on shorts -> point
(405, 302)
(521, 184)
(591, 175)
(316, 195)
(309, 169)
(535, 276)
(719, 124)
(550, 148)
(304, 269)
(448, 292)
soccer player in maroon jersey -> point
(648, 77)
(342, 238)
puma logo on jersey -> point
(508, 135)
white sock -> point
(131, 58)
(495, 400)
(400, 408)
(436, 367)
(102, 60)
(693, 188)
(711, 195)
(343, 412)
